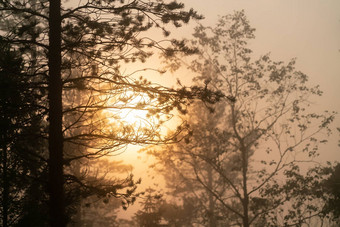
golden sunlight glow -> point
(128, 110)
(134, 117)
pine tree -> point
(93, 38)
(23, 165)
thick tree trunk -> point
(56, 180)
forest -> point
(232, 137)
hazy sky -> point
(306, 29)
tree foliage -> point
(258, 142)
(156, 211)
(23, 164)
(188, 159)
(73, 53)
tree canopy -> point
(248, 156)
(72, 53)
(247, 160)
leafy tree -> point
(89, 208)
(79, 49)
(318, 186)
(331, 186)
(188, 162)
(178, 215)
(263, 139)
(156, 211)
(150, 214)
(23, 166)
(331, 190)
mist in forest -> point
(169, 113)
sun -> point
(137, 115)
(131, 109)
(134, 117)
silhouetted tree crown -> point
(73, 53)
(244, 161)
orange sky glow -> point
(307, 29)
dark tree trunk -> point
(5, 186)
(56, 181)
